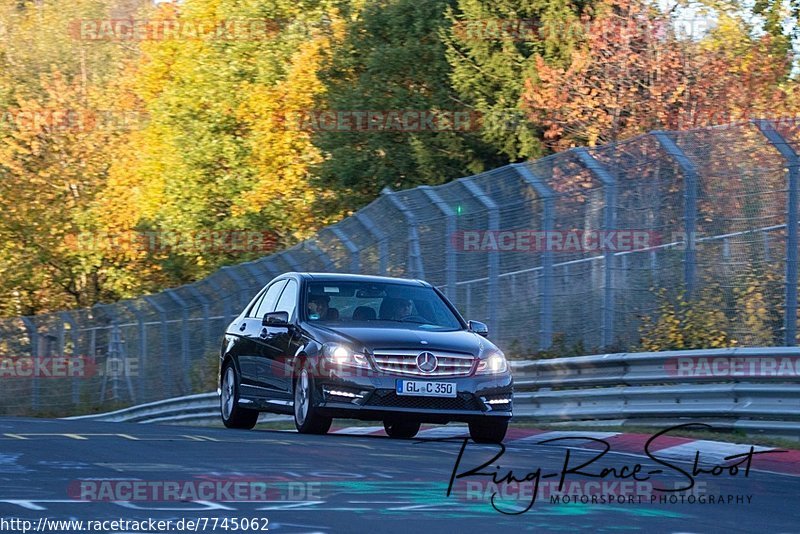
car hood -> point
(402, 338)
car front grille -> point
(400, 362)
(390, 399)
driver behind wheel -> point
(395, 309)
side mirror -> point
(278, 318)
(479, 328)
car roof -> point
(343, 277)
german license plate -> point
(419, 388)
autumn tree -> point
(392, 60)
(494, 46)
(212, 156)
(633, 74)
(55, 136)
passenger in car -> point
(318, 309)
(394, 309)
(364, 313)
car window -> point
(267, 303)
(251, 311)
(288, 300)
(379, 305)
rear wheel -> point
(401, 429)
(306, 418)
(233, 415)
(488, 431)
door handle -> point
(264, 334)
(243, 327)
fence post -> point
(257, 273)
(415, 267)
(270, 267)
(66, 318)
(689, 206)
(166, 363)
(142, 378)
(609, 225)
(324, 258)
(216, 288)
(380, 236)
(33, 333)
(450, 229)
(793, 164)
(493, 216)
(206, 305)
(288, 258)
(239, 282)
(184, 308)
(548, 223)
(355, 260)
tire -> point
(306, 417)
(233, 415)
(401, 429)
(488, 431)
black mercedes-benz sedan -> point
(321, 346)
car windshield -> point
(380, 305)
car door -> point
(277, 343)
(250, 357)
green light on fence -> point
(459, 209)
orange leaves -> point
(633, 74)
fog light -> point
(342, 394)
(498, 402)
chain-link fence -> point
(567, 254)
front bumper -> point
(375, 398)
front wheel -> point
(306, 418)
(488, 431)
(401, 429)
(233, 415)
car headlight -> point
(343, 355)
(494, 364)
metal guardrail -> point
(627, 389)
(202, 408)
(755, 390)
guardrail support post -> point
(450, 229)
(355, 260)
(546, 286)
(609, 225)
(493, 217)
(793, 165)
(415, 267)
(690, 183)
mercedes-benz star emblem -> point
(427, 362)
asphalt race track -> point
(351, 483)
